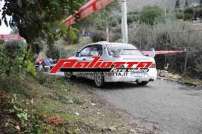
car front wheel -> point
(99, 79)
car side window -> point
(85, 52)
(95, 50)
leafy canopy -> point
(34, 18)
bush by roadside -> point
(172, 35)
(15, 58)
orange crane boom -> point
(86, 10)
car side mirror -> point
(77, 54)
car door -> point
(87, 54)
(84, 54)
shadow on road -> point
(85, 83)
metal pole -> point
(124, 22)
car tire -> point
(143, 83)
(99, 79)
(69, 75)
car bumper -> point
(131, 77)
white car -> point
(115, 52)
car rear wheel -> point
(143, 83)
(99, 79)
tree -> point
(36, 18)
(11, 59)
(149, 14)
(200, 2)
(188, 13)
(101, 23)
(177, 4)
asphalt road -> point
(176, 108)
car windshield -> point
(117, 50)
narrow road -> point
(176, 108)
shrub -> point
(15, 58)
(188, 14)
(180, 15)
(99, 36)
(133, 17)
(171, 36)
(149, 14)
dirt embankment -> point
(183, 79)
(53, 105)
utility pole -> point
(124, 26)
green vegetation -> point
(151, 28)
(50, 105)
(190, 13)
(171, 36)
(150, 14)
(39, 22)
(36, 108)
(35, 19)
(133, 17)
(101, 24)
(15, 59)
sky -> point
(3, 28)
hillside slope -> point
(138, 4)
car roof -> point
(115, 44)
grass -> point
(52, 105)
(48, 105)
(190, 81)
(41, 98)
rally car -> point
(120, 52)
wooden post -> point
(186, 61)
